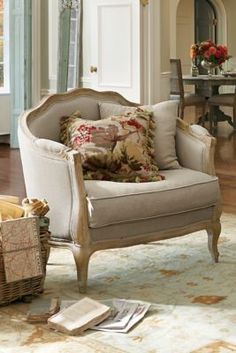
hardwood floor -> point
(225, 163)
(12, 183)
(11, 175)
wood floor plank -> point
(11, 175)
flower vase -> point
(209, 66)
(194, 70)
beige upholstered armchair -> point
(91, 215)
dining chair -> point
(177, 91)
(221, 100)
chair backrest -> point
(176, 80)
(44, 120)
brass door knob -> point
(93, 68)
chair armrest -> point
(195, 147)
(54, 172)
(51, 148)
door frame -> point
(151, 75)
(150, 52)
(221, 18)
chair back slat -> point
(176, 79)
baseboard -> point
(5, 138)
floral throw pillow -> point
(164, 135)
(118, 148)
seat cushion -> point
(222, 99)
(192, 99)
(189, 98)
(164, 115)
(182, 190)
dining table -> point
(208, 85)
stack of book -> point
(74, 317)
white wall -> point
(185, 33)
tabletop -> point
(206, 85)
(214, 80)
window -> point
(72, 49)
(69, 51)
(4, 46)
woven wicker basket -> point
(10, 292)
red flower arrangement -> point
(210, 52)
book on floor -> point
(125, 314)
(80, 316)
(41, 310)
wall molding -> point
(85, 81)
(222, 22)
(45, 92)
(165, 85)
(150, 49)
(165, 74)
(5, 137)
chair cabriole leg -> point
(81, 257)
(213, 235)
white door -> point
(115, 47)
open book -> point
(125, 314)
(80, 316)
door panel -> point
(115, 47)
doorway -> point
(205, 21)
(184, 31)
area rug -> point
(193, 301)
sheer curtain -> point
(20, 16)
(70, 45)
